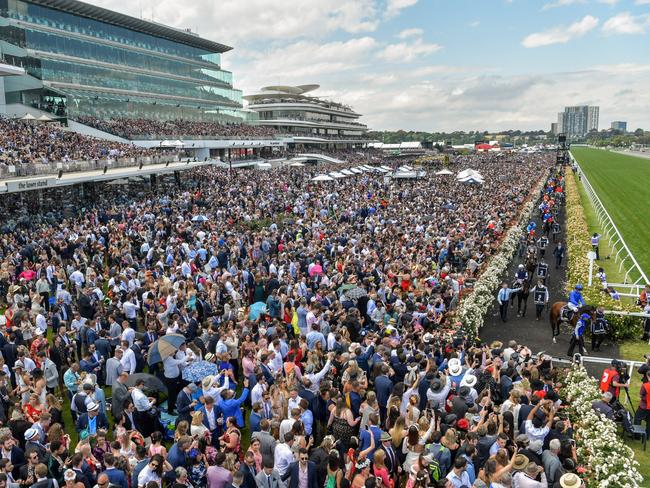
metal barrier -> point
(609, 229)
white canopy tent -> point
(322, 178)
(336, 174)
(387, 168)
(444, 172)
(401, 175)
(356, 170)
(469, 172)
(297, 165)
(347, 172)
(471, 179)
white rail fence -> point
(622, 253)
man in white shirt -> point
(283, 455)
(130, 309)
(172, 378)
(128, 360)
(128, 334)
(258, 390)
(534, 427)
(287, 424)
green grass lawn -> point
(621, 182)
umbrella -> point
(151, 382)
(316, 269)
(257, 309)
(199, 218)
(444, 172)
(164, 347)
(356, 293)
(199, 370)
(322, 178)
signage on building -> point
(31, 184)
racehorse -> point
(522, 297)
(531, 264)
(556, 318)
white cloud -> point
(609, 2)
(642, 2)
(561, 34)
(561, 3)
(405, 52)
(413, 32)
(625, 23)
(474, 23)
(394, 7)
(234, 21)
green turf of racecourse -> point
(622, 184)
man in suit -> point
(353, 399)
(255, 417)
(391, 461)
(120, 395)
(139, 355)
(269, 477)
(185, 404)
(114, 367)
(13, 453)
(373, 431)
(383, 389)
(231, 406)
(248, 471)
(301, 466)
(93, 420)
(210, 419)
(267, 441)
(177, 455)
(103, 345)
(116, 476)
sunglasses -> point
(304, 458)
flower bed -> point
(607, 461)
(474, 307)
(578, 244)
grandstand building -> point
(82, 60)
(306, 119)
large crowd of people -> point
(320, 319)
(131, 128)
(28, 142)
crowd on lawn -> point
(325, 315)
(28, 142)
(131, 128)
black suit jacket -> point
(390, 465)
(249, 477)
(293, 475)
(17, 458)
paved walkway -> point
(527, 330)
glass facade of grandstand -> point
(77, 65)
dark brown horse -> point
(556, 316)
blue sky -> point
(435, 64)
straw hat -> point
(520, 462)
(570, 480)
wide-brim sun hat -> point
(570, 480)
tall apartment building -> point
(577, 121)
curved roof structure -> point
(291, 90)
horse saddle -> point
(566, 313)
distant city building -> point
(554, 128)
(577, 121)
(619, 125)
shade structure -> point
(151, 382)
(381, 169)
(165, 347)
(322, 178)
(199, 218)
(336, 174)
(199, 370)
(28, 116)
(356, 170)
(471, 179)
(346, 172)
(444, 172)
(45, 118)
(297, 165)
(387, 168)
(469, 172)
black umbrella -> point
(151, 382)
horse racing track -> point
(621, 182)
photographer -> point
(611, 379)
(643, 412)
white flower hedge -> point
(607, 461)
(474, 307)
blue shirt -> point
(575, 297)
